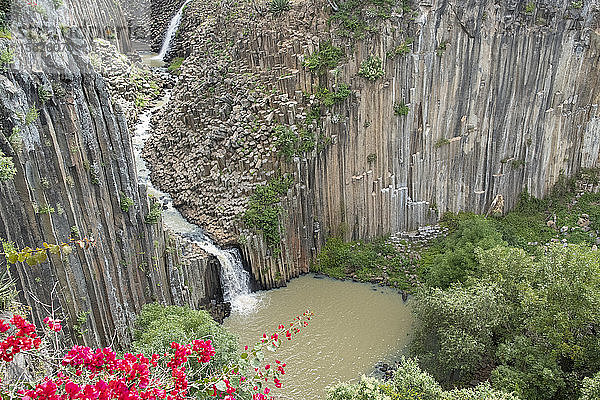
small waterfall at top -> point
(234, 278)
(173, 25)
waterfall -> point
(234, 278)
(173, 25)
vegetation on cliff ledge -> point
(264, 210)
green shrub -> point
(263, 210)
(456, 329)
(175, 65)
(454, 258)
(530, 7)
(363, 261)
(157, 326)
(355, 17)
(7, 56)
(15, 140)
(526, 319)
(516, 164)
(327, 57)
(44, 94)
(278, 7)
(286, 141)
(155, 212)
(45, 210)
(591, 388)
(306, 141)
(331, 97)
(577, 4)
(441, 142)
(410, 378)
(125, 202)
(441, 49)
(7, 168)
(371, 68)
(401, 109)
(411, 383)
(402, 49)
(31, 115)
(5, 32)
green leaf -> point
(41, 257)
(31, 260)
(244, 356)
(13, 257)
(22, 256)
(54, 249)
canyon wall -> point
(501, 97)
(71, 146)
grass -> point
(378, 261)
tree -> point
(454, 259)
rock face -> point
(72, 151)
(500, 97)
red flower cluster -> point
(99, 374)
(23, 339)
(53, 324)
(132, 377)
(204, 349)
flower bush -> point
(101, 374)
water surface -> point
(354, 327)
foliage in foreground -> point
(88, 374)
(411, 383)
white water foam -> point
(171, 30)
(234, 278)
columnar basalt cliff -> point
(75, 177)
(475, 99)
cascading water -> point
(171, 30)
(234, 278)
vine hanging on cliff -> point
(40, 254)
(264, 211)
